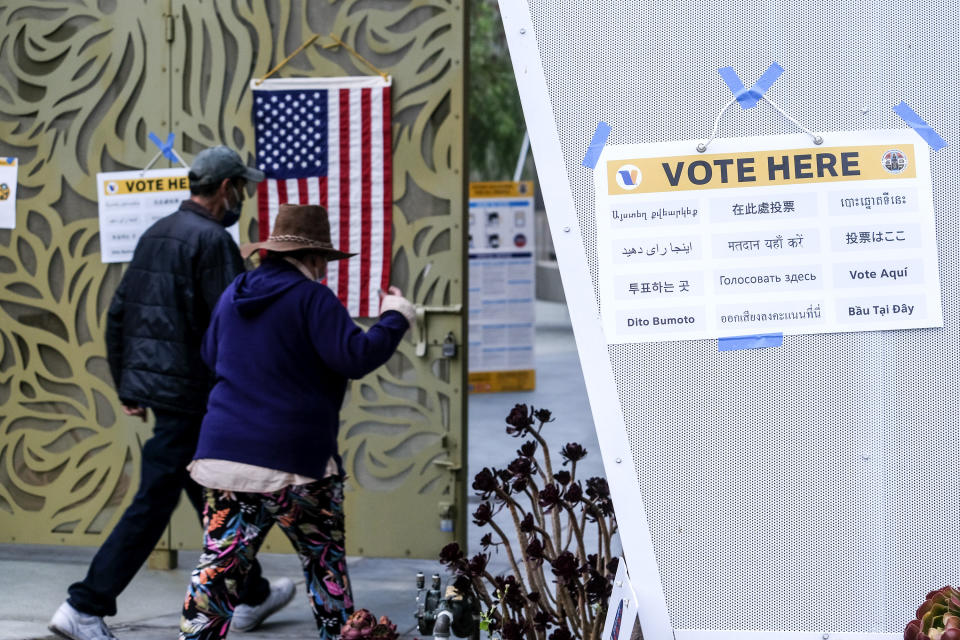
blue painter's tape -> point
(766, 81)
(750, 97)
(166, 148)
(735, 84)
(759, 341)
(596, 145)
(920, 126)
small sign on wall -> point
(8, 193)
(621, 607)
(131, 201)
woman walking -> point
(282, 348)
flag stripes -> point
(352, 179)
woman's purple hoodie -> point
(282, 348)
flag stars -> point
(291, 131)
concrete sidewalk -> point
(33, 579)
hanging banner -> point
(766, 234)
(8, 193)
(327, 141)
(130, 201)
(502, 286)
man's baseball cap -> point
(216, 164)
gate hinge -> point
(168, 27)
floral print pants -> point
(235, 525)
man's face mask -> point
(232, 214)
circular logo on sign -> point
(4, 191)
(894, 161)
(628, 177)
(112, 187)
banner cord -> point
(337, 42)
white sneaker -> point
(69, 623)
(247, 618)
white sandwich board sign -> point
(802, 491)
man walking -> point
(155, 326)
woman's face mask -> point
(319, 269)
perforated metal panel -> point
(811, 487)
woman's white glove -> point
(393, 300)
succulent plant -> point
(385, 630)
(362, 625)
(556, 588)
(938, 618)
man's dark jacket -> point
(162, 307)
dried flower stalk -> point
(551, 514)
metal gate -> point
(81, 88)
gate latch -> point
(421, 329)
(452, 466)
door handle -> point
(448, 464)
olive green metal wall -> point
(81, 86)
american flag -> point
(327, 141)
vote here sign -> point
(766, 234)
(130, 202)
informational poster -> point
(131, 201)
(767, 235)
(502, 286)
(8, 193)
